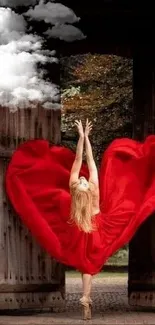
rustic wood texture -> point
(141, 285)
(28, 124)
(28, 276)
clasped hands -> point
(83, 133)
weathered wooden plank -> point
(28, 124)
(56, 126)
(27, 260)
(28, 276)
(15, 244)
(2, 240)
(4, 229)
(45, 287)
(31, 300)
(7, 153)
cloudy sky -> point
(24, 56)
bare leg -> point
(87, 283)
(85, 300)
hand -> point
(88, 128)
(80, 128)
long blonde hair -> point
(81, 208)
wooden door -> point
(141, 288)
(29, 278)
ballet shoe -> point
(87, 304)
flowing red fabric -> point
(37, 183)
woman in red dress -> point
(81, 219)
(85, 201)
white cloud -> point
(16, 3)
(11, 25)
(66, 33)
(61, 17)
(21, 84)
(53, 13)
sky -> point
(24, 56)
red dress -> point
(37, 183)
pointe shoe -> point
(86, 303)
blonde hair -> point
(81, 208)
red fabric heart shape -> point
(37, 183)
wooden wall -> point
(29, 278)
(141, 284)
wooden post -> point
(141, 283)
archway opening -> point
(99, 87)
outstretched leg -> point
(86, 300)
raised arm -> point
(93, 173)
(74, 175)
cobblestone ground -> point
(110, 306)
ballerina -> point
(79, 216)
(84, 200)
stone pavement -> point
(110, 306)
